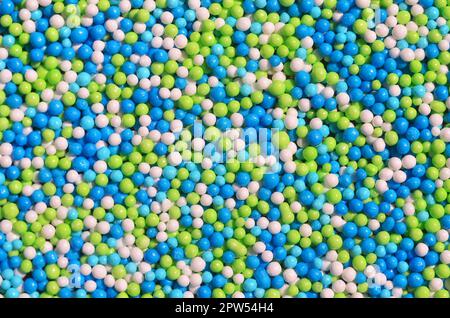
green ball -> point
(210, 216)
(118, 271)
(442, 294)
(185, 102)
(52, 271)
(334, 242)
(334, 196)
(142, 16)
(53, 77)
(318, 73)
(272, 293)
(173, 273)
(432, 225)
(360, 26)
(133, 289)
(287, 3)
(359, 263)
(277, 88)
(208, 177)
(63, 231)
(10, 211)
(280, 139)
(422, 292)
(442, 271)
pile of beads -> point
(132, 164)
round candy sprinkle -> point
(233, 148)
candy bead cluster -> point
(129, 165)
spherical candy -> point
(200, 149)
